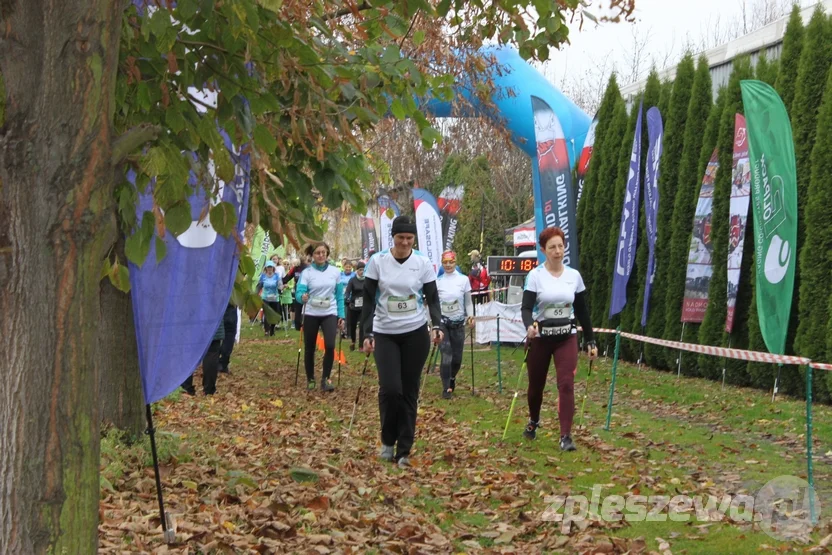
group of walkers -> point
(396, 307)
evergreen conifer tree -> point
(605, 142)
(766, 71)
(700, 140)
(619, 185)
(604, 220)
(814, 65)
(712, 330)
(635, 287)
(815, 261)
(790, 58)
(675, 119)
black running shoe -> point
(447, 394)
(566, 444)
(531, 430)
(327, 386)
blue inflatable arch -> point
(516, 82)
(524, 81)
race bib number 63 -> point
(401, 305)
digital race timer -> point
(511, 265)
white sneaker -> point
(404, 462)
(386, 453)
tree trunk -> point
(59, 62)
(122, 401)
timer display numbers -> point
(511, 265)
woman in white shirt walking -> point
(394, 319)
(553, 296)
(457, 309)
(320, 291)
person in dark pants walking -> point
(554, 294)
(229, 320)
(320, 290)
(210, 365)
(354, 296)
(297, 306)
(394, 320)
(457, 308)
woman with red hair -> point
(553, 296)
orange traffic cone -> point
(341, 358)
(319, 343)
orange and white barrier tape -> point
(724, 352)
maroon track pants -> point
(565, 353)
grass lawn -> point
(264, 466)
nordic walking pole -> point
(776, 382)
(431, 360)
(300, 339)
(357, 394)
(586, 390)
(516, 392)
(473, 390)
(340, 342)
(517, 386)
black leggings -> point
(210, 367)
(329, 325)
(452, 348)
(400, 358)
(297, 308)
(353, 321)
(229, 321)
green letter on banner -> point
(774, 201)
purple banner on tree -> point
(625, 252)
(179, 301)
(655, 130)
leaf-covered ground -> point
(264, 466)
